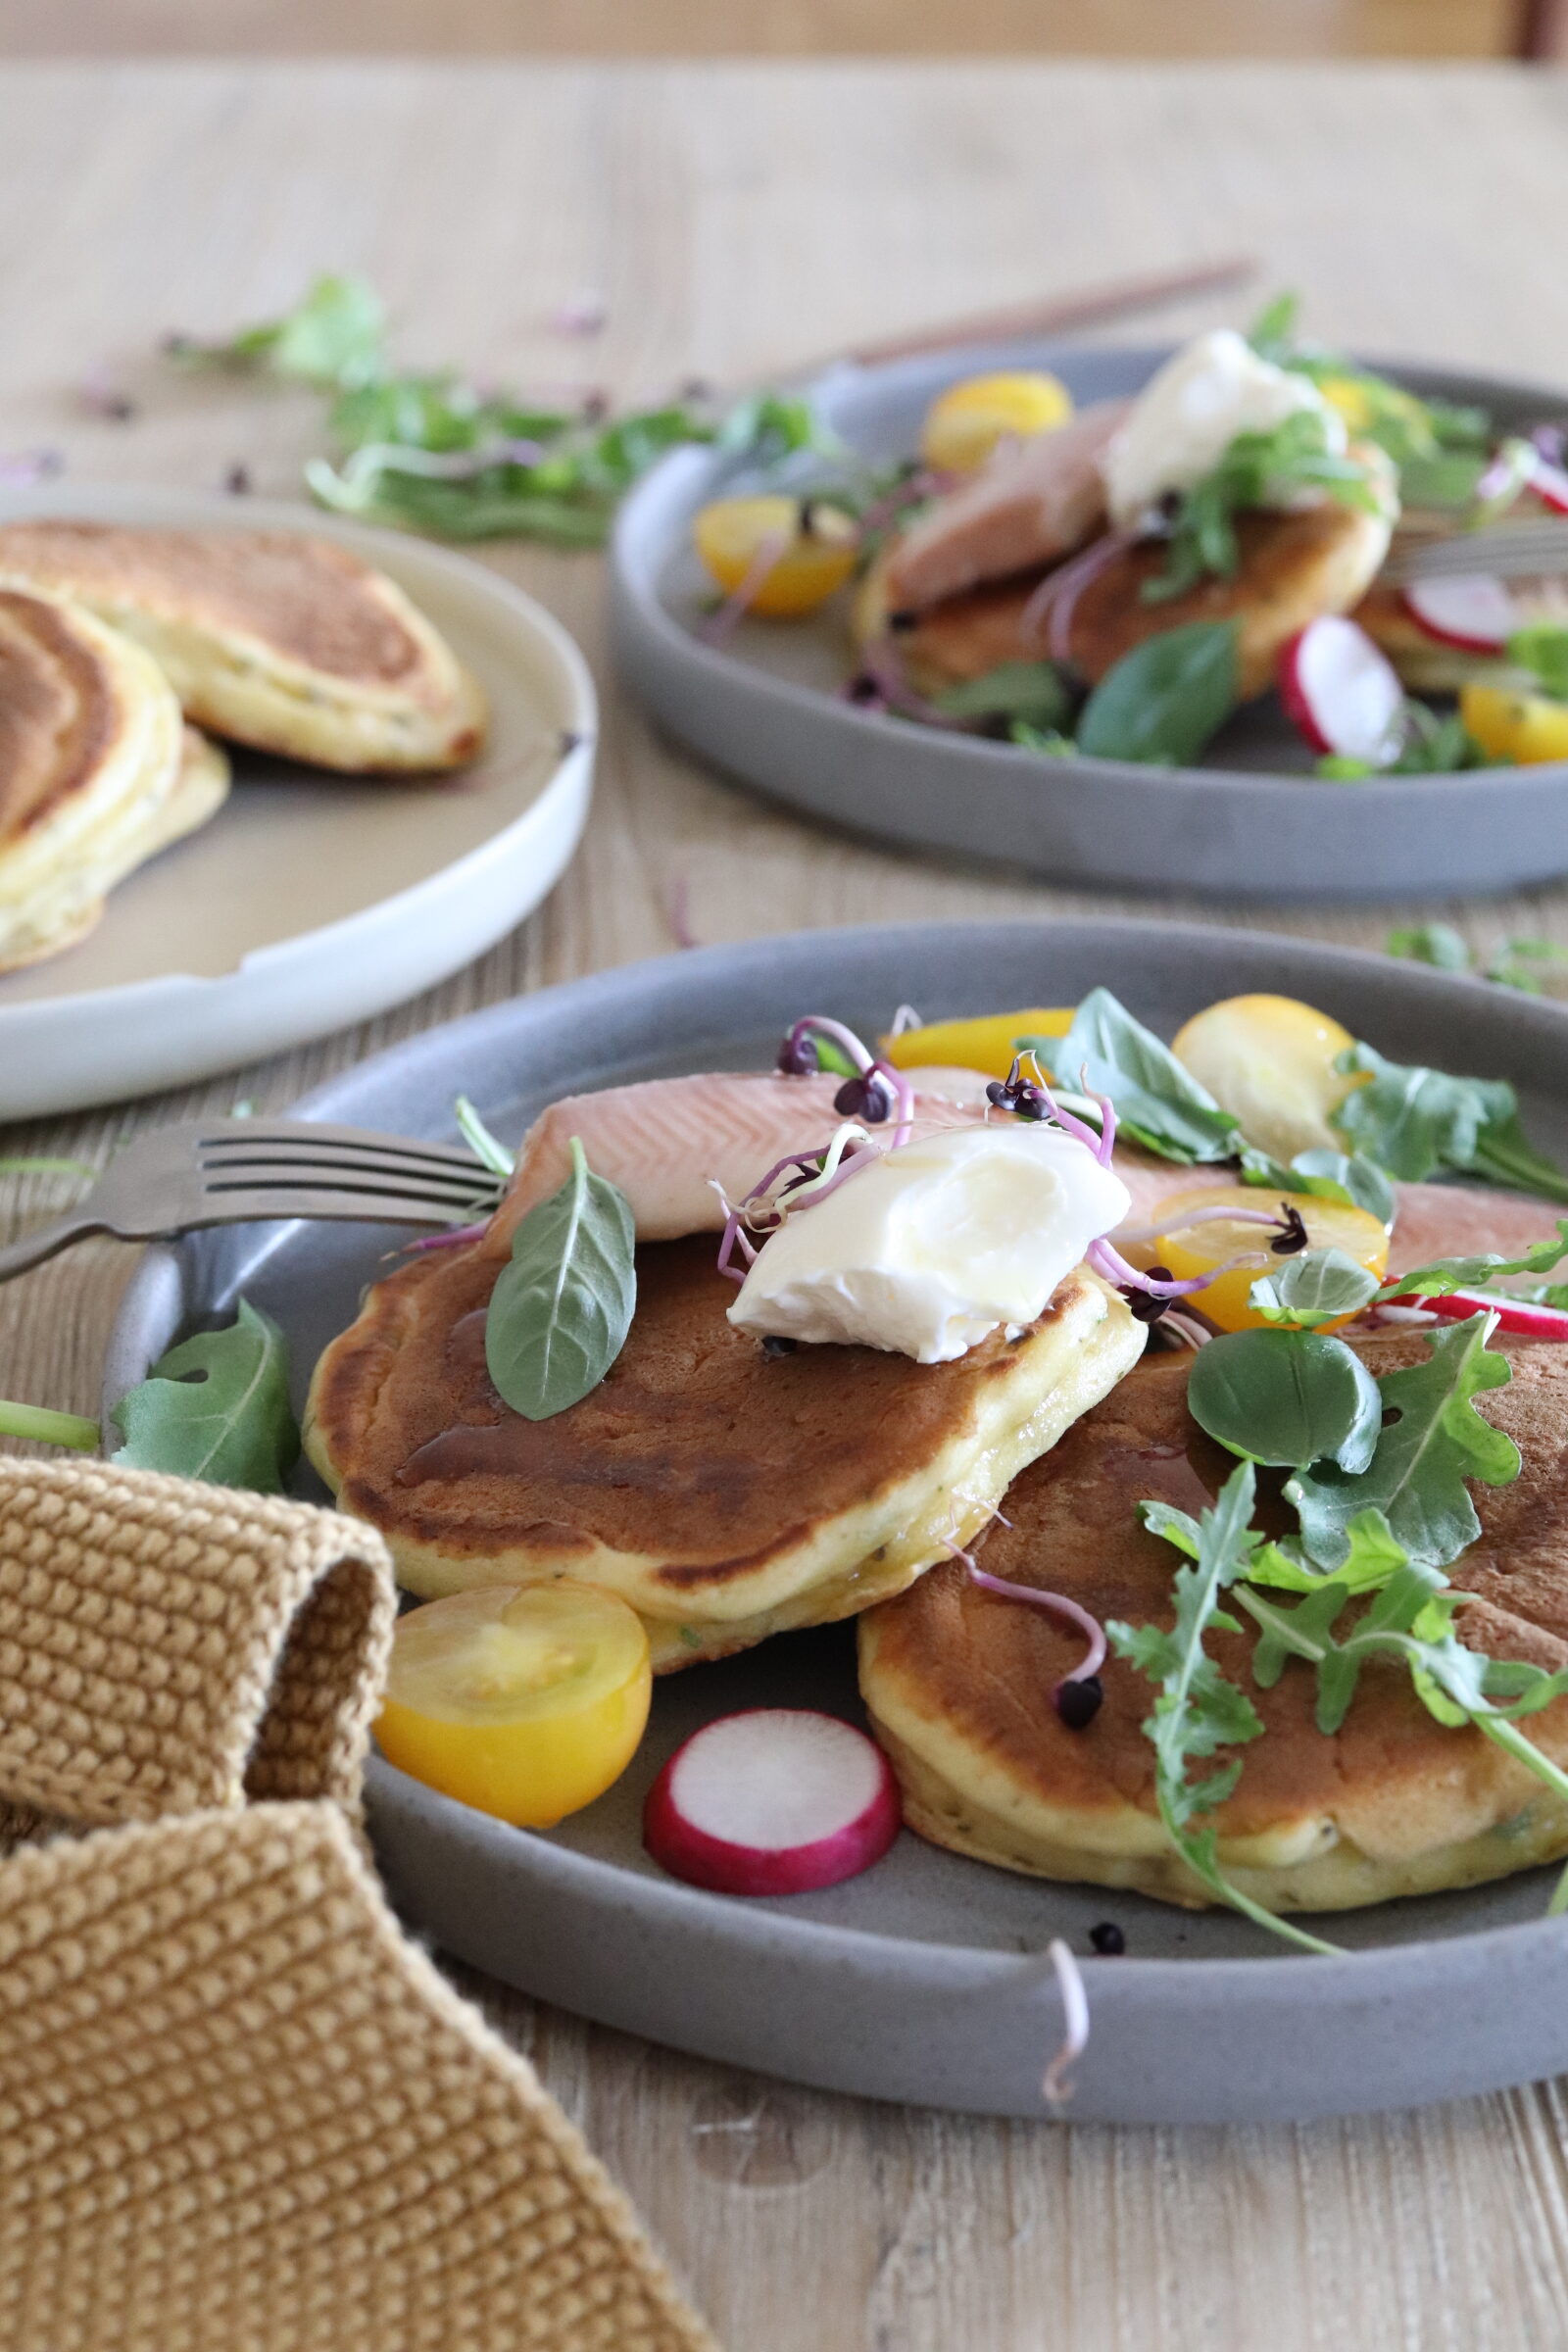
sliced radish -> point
(1475, 613)
(1339, 691)
(1549, 484)
(1518, 1315)
(772, 1801)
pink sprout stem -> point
(1055, 2086)
(818, 1024)
(1186, 1328)
(1054, 1604)
(1198, 1217)
(454, 1234)
(1055, 599)
(720, 626)
(1113, 1266)
(881, 664)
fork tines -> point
(247, 1156)
(1527, 550)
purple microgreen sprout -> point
(21, 469)
(1292, 1235)
(102, 397)
(1055, 599)
(1055, 2086)
(584, 312)
(678, 909)
(1199, 1216)
(1184, 1329)
(1113, 1267)
(882, 665)
(903, 1020)
(720, 625)
(1077, 1697)
(442, 1241)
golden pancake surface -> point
(959, 1682)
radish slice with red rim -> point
(1549, 484)
(1340, 692)
(1521, 1316)
(1475, 613)
(774, 1801)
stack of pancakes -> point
(109, 635)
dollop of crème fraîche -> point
(935, 1246)
(1190, 412)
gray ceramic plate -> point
(920, 1979)
(1253, 821)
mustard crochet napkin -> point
(239, 2112)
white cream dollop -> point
(927, 1252)
(1189, 413)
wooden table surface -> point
(735, 217)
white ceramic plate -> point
(924, 1977)
(312, 900)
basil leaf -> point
(1163, 701)
(1320, 1286)
(1446, 1274)
(1160, 1103)
(561, 1310)
(1326, 1175)
(1413, 1121)
(217, 1407)
(1416, 1476)
(1285, 1398)
(1034, 693)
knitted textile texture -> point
(239, 2111)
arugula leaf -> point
(1047, 741)
(217, 1407)
(1374, 1555)
(1416, 1476)
(1034, 693)
(1285, 1398)
(1159, 1104)
(1328, 1175)
(1320, 1286)
(1512, 965)
(561, 1309)
(1438, 944)
(1272, 333)
(1413, 1122)
(1162, 702)
(1437, 747)
(1446, 1274)
(1258, 469)
(1196, 1712)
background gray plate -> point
(766, 708)
(920, 1979)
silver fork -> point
(239, 1171)
(1512, 552)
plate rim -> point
(1125, 1987)
(570, 775)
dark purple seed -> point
(1078, 1702)
(851, 1100)
(1294, 1238)
(1031, 1103)
(796, 1057)
(1108, 1939)
(1144, 1306)
(998, 1094)
(900, 623)
(864, 690)
(237, 481)
(775, 1344)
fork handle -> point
(48, 1241)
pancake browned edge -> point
(97, 772)
(1293, 567)
(958, 1683)
(727, 1491)
(278, 639)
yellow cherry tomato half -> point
(1191, 1249)
(965, 424)
(523, 1700)
(808, 549)
(1526, 729)
(1269, 1061)
(988, 1044)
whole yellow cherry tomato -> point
(523, 1700)
(1191, 1250)
(965, 424)
(987, 1043)
(1526, 729)
(812, 547)
(1269, 1062)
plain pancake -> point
(959, 1682)
(276, 639)
(91, 757)
(726, 1489)
(1292, 568)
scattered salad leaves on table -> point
(562, 1304)
(1437, 944)
(1163, 702)
(1159, 1104)
(215, 1408)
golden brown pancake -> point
(727, 1491)
(1292, 568)
(94, 775)
(285, 642)
(959, 1682)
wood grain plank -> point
(737, 217)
